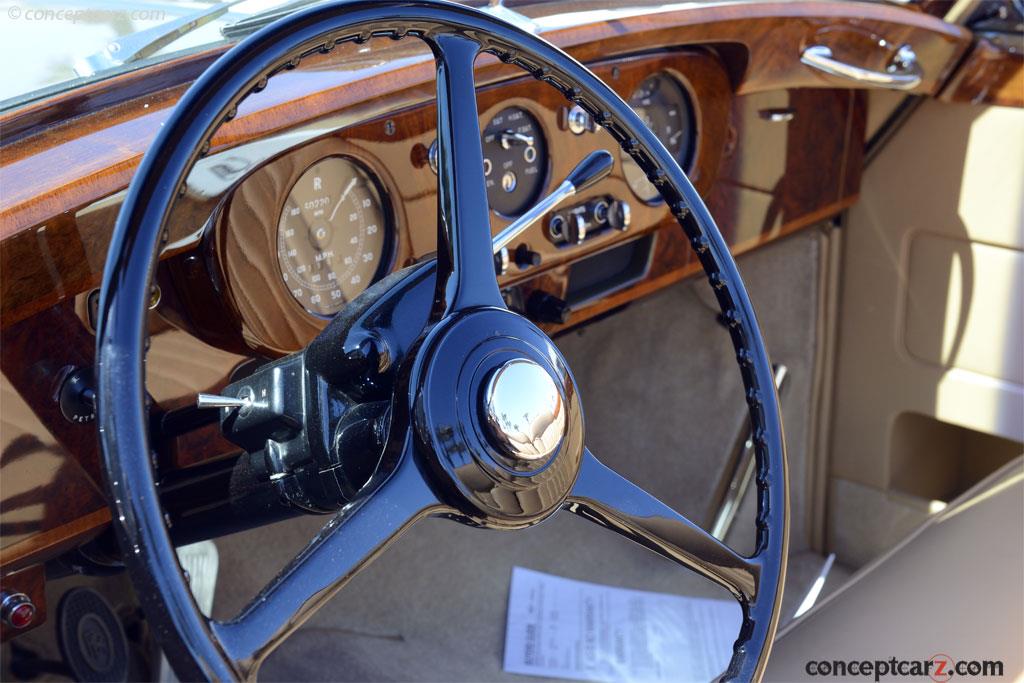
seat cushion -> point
(951, 592)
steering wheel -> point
(433, 347)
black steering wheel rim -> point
(191, 641)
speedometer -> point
(665, 107)
(332, 235)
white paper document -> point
(564, 628)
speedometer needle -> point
(351, 184)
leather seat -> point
(955, 587)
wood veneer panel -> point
(50, 466)
(36, 355)
(988, 75)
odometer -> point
(332, 235)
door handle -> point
(903, 73)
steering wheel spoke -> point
(351, 540)
(609, 499)
(465, 262)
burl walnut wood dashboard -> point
(776, 147)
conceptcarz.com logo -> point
(939, 667)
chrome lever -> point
(218, 401)
(594, 167)
(903, 73)
(509, 138)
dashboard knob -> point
(17, 610)
(576, 230)
(77, 396)
(526, 257)
(557, 228)
(547, 308)
(578, 121)
(619, 215)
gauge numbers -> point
(331, 235)
(515, 161)
(665, 107)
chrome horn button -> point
(497, 417)
(524, 411)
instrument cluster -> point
(336, 230)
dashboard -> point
(328, 255)
(324, 183)
(302, 234)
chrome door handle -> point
(903, 72)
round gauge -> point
(665, 107)
(515, 161)
(332, 235)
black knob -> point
(576, 230)
(547, 308)
(77, 396)
(619, 215)
(556, 229)
(358, 363)
(526, 257)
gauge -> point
(665, 107)
(515, 161)
(332, 235)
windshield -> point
(53, 46)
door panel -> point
(931, 329)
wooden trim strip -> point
(988, 75)
(50, 543)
